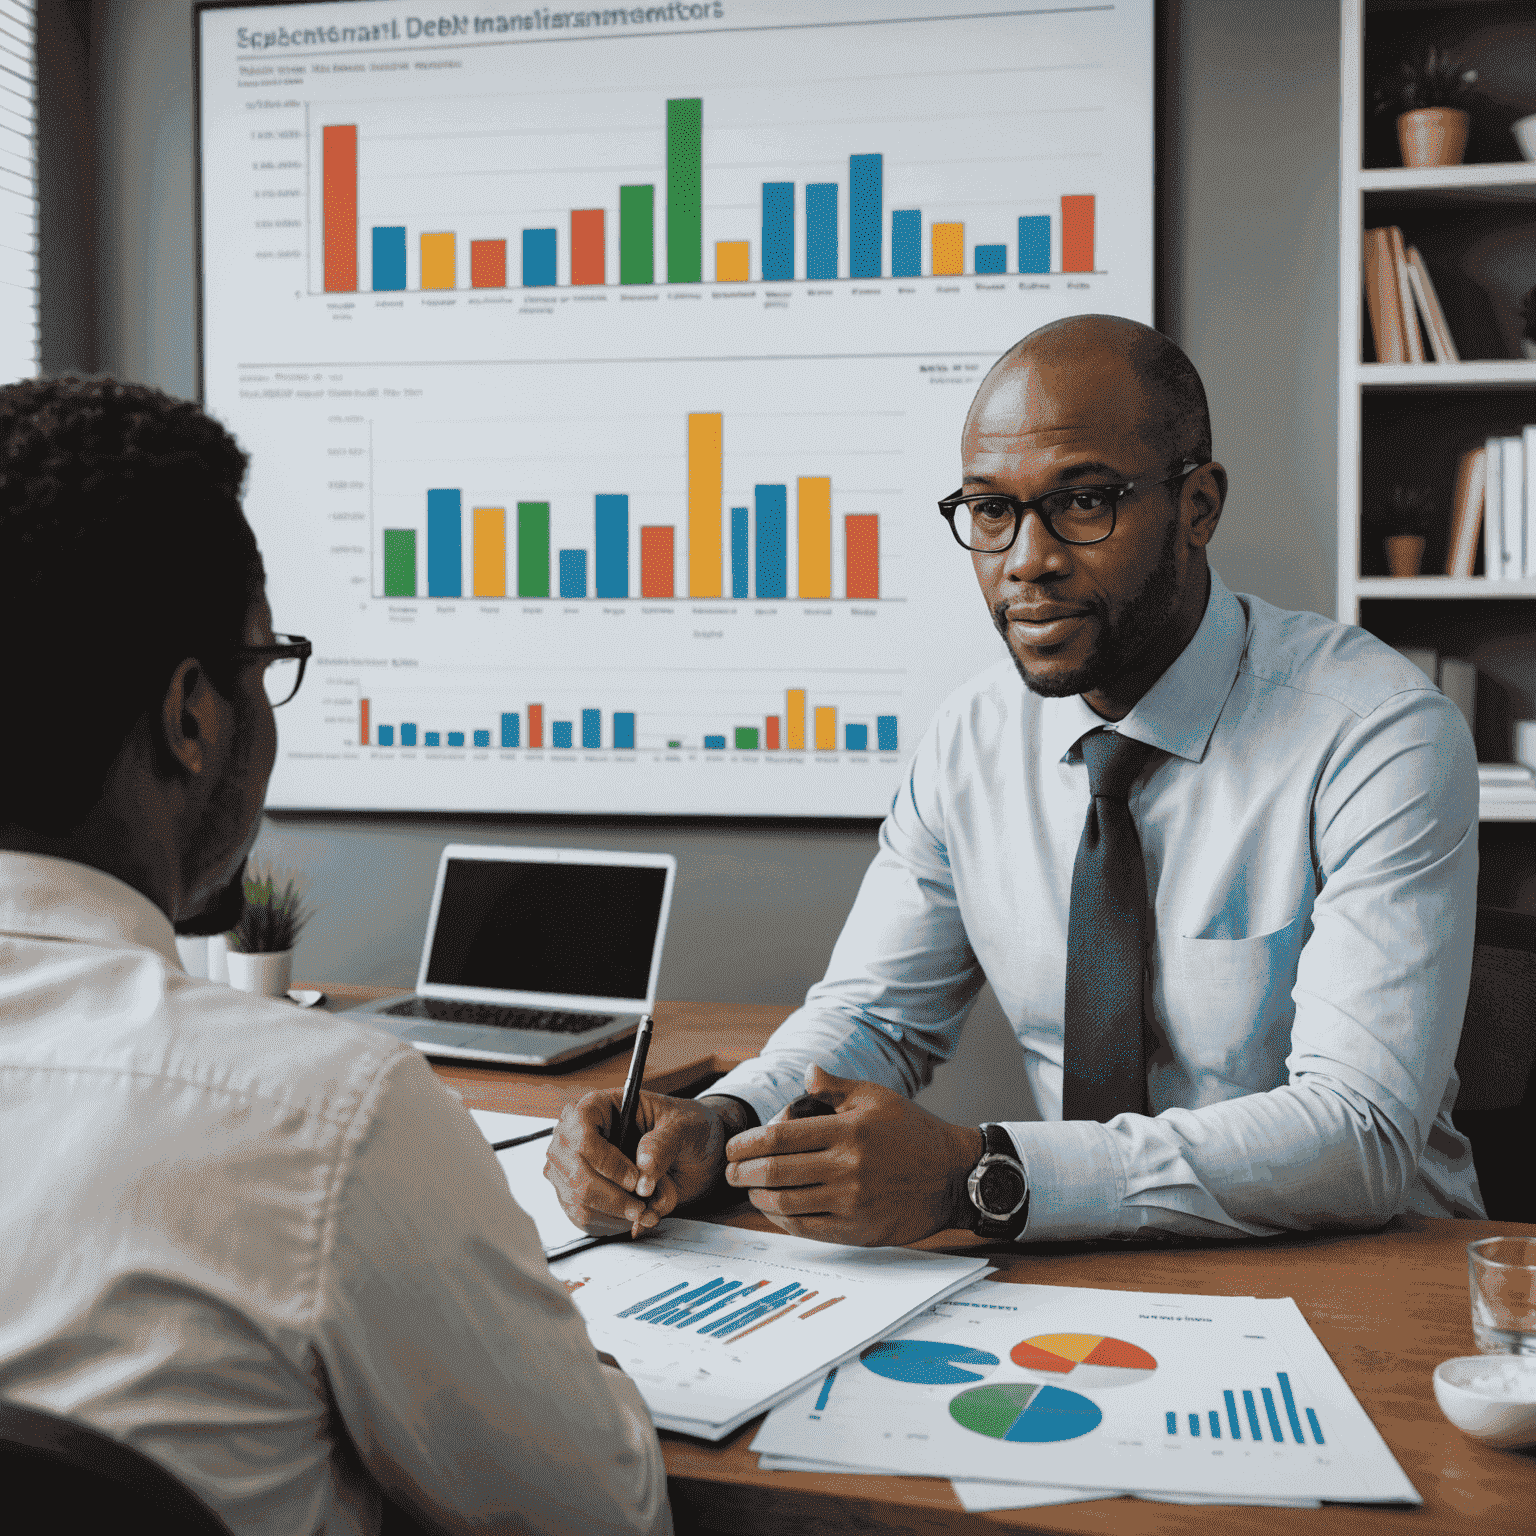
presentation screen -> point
(601, 371)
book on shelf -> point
(1467, 511)
(1383, 299)
(1509, 547)
(1414, 342)
(1510, 779)
(1399, 294)
(1428, 300)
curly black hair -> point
(123, 551)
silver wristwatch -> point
(998, 1187)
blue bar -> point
(1290, 1408)
(738, 551)
(1215, 1425)
(1232, 1424)
(591, 729)
(455, 738)
(640, 1306)
(821, 230)
(433, 739)
(1253, 1416)
(407, 735)
(445, 548)
(386, 735)
(1173, 1423)
(778, 231)
(688, 1311)
(1194, 1425)
(511, 730)
(1274, 1418)
(772, 540)
(856, 738)
(826, 1389)
(573, 573)
(885, 732)
(714, 1306)
(482, 738)
(714, 743)
(731, 1321)
(1317, 1429)
(562, 733)
(991, 260)
(907, 243)
(1035, 243)
(538, 258)
(388, 258)
(677, 1303)
(624, 730)
(866, 210)
(612, 546)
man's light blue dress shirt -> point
(1311, 851)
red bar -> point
(487, 263)
(535, 725)
(1077, 234)
(771, 732)
(363, 723)
(657, 562)
(862, 543)
(338, 154)
(587, 247)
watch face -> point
(1000, 1190)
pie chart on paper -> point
(927, 1364)
(1023, 1413)
(1091, 1360)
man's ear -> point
(1206, 492)
(190, 719)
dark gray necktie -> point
(1104, 1071)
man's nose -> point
(1037, 552)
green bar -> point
(637, 234)
(685, 190)
(399, 562)
(533, 549)
(746, 738)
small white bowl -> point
(1500, 1416)
(1525, 135)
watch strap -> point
(996, 1142)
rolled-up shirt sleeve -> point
(461, 1371)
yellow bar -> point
(706, 476)
(815, 535)
(826, 728)
(948, 250)
(437, 261)
(731, 260)
(490, 551)
(794, 721)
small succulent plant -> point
(1407, 509)
(1433, 78)
(273, 916)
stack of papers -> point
(523, 1165)
(1509, 780)
(1038, 1394)
(715, 1324)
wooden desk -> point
(1388, 1307)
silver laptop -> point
(534, 955)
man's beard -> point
(1123, 641)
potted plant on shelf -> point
(1403, 528)
(1426, 94)
(261, 943)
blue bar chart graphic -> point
(1258, 1411)
(722, 1309)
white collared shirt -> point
(267, 1248)
(1310, 839)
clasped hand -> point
(879, 1170)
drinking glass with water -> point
(1502, 1278)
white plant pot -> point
(265, 975)
(218, 953)
(194, 955)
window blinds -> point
(18, 190)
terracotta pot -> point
(1405, 551)
(1433, 136)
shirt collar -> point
(43, 897)
(1180, 710)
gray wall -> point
(1250, 238)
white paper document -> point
(1227, 1398)
(714, 1324)
(523, 1166)
(495, 1126)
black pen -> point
(626, 1140)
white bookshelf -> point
(1377, 390)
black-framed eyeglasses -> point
(285, 663)
(989, 523)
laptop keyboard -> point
(442, 1011)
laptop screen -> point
(587, 930)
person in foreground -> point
(1218, 862)
(265, 1248)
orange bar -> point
(657, 562)
(1077, 234)
(862, 541)
(588, 247)
(363, 721)
(771, 732)
(948, 249)
(339, 201)
(731, 258)
(535, 725)
(487, 263)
